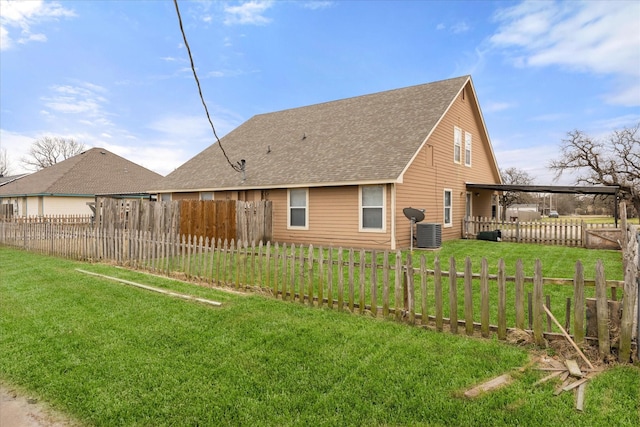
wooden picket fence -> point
(84, 220)
(562, 232)
(215, 219)
(377, 283)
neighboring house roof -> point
(7, 179)
(95, 171)
(365, 139)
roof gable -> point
(370, 138)
(95, 171)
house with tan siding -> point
(340, 173)
(69, 187)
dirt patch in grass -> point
(20, 410)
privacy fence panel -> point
(213, 219)
(208, 218)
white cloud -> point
(552, 117)
(18, 16)
(182, 127)
(533, 160)
(594, 37)
(85, 100)
(317, 4)
(460, 27)
(494, 106)
(251, 12)
(153, 155)
(457, 28)
(17, 146)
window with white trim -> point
(165, 197)
(467, 149)
(298, 214)
(372, 208)
(206, 195)
(457, 144)
(448, 210)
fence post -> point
(453, 296)
(330, 278)
(385, 284)
(410, 306)
(602, 311)
(340, 280)
(351, 275)
(468, 297)
(374, 283)
(320, 276)
(538, 335)
(502, 301)
(276, 262)
(423, 289)
(361, 293)
(578, 302)
(398, 286)
(437, 292)
(301, 271)
(632, 264)
(484, 298)
(519, 295)
(310, 278)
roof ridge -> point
(365, 95)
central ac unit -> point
(428, 235)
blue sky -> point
(115, 74)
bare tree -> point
(514, 176)
(613, 161)
(4, 163)
(48, 151)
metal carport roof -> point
(568, 189)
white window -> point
(457, 144)
(467, 149)
(448, 211)
(206, 195)
(298, 213)
(372, 199)
(165, 197)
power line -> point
(237, 168)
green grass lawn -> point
(113, 355)
(557, 261)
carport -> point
(607, 190)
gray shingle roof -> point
(7, 179)
(95, 171)
(369, 138)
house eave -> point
(280, 186)
(46, 195)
